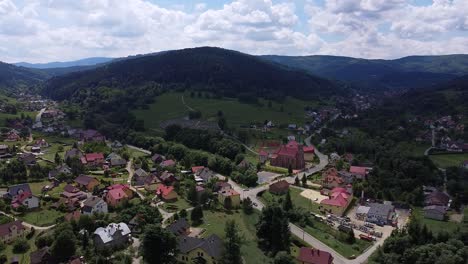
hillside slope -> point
(408, 72)
(223, 72)
(13, 77)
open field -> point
(214, 223)
(4, 116)
(42, 217)
(313, 195)
(169, 106)
(435, 226)
(178, 205)
(448, 160)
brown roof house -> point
(11, 231)
(314, 256)
(280, 187)
(86, 182)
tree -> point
(57, 159)
(192, 194)
(287, 203)
(183, 213)
(351, 239)
(247, 206)
(197, 215)
(296, 181)
(232, 244)
(283, 258)
(228, 203)
(21, 245)
(304, 180)
(290, 169)
(64, 245)
(158, 245)
(273, 230)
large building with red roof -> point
(314, 256)
(291, 154)
(338, 200)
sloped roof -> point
(16, 189)
(212, 245)
(178, 227)
(84, 179)
(314, 256)
(106, 234)
(5, 229)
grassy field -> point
(214, 223)
(4, 116)
(448, 160)
(435, 225)
(42, 217)
(178, 205)
(169, 106)
(297, 199)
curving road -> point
(27, 224)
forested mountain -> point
(13, 77)
(223, 72)
(66, 64)
(407, 72)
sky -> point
(63, 30)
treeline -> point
(417, 244)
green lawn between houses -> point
(214, 223)
(170, 106)
(449, 160)
(41, 217)
(436, 226)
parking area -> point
(266, 177)
(313, 195)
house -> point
(116, 197)
(94, 205)
(289, 155)
(41, 143)
(361, 212)
(117, 162)
(157, 158)
(292, 126)
(12, 230)
(359, 172)
(116, 145)
(200, 250)
(41, 256)
(35, 149)
(26, 199)
(331, 179)
(222, 186)
(262, 156)
(124, 187)
(12, 136)
(90, 135)
(206, 175)
(93, 159)
(167, 163)
(380, 213)
(73, 153)
(167, 177)
(244, 164)
(229, 198)
(338, 201)
(437, 198)
(86, 182)
(279, 188)
(435, 212)
(195, 169)
(200, 190)
(14, 191)
(140, 173)
(28, 159)
(166, 193)
(309, 153)
(180, 227)
(3, 149)
(63, 169)
(112, 236)
(147, 182)
(334, 157)
(314, 256)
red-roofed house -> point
(314, 256)
(26, 199)
(337, 202)
(359, 172)
(309, 153)
(166, 193)
(331, 179)
(263, 156)
(116, 197)
(197, 168)
(167, 163)
(93, 159)
(124, 187)
(291, 154)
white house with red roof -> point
(359, 171)
(338, 201)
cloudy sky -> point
(59, 30)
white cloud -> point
(46, 30)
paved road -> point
(186, 105)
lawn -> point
(297, 199)
(178, 205)
(449, 160)
(170, 106)
(329, 236)
(42, 217)
(136, 153)
(5, 116)
(435, 225)
(36, 187)
(214, 223)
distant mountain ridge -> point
(82, 62)
(13, 78)
(407, 72)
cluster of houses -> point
(442, 129)
(51, 121)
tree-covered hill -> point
(223, 72)
(407, 72)
(14, 78)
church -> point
(291, 154)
